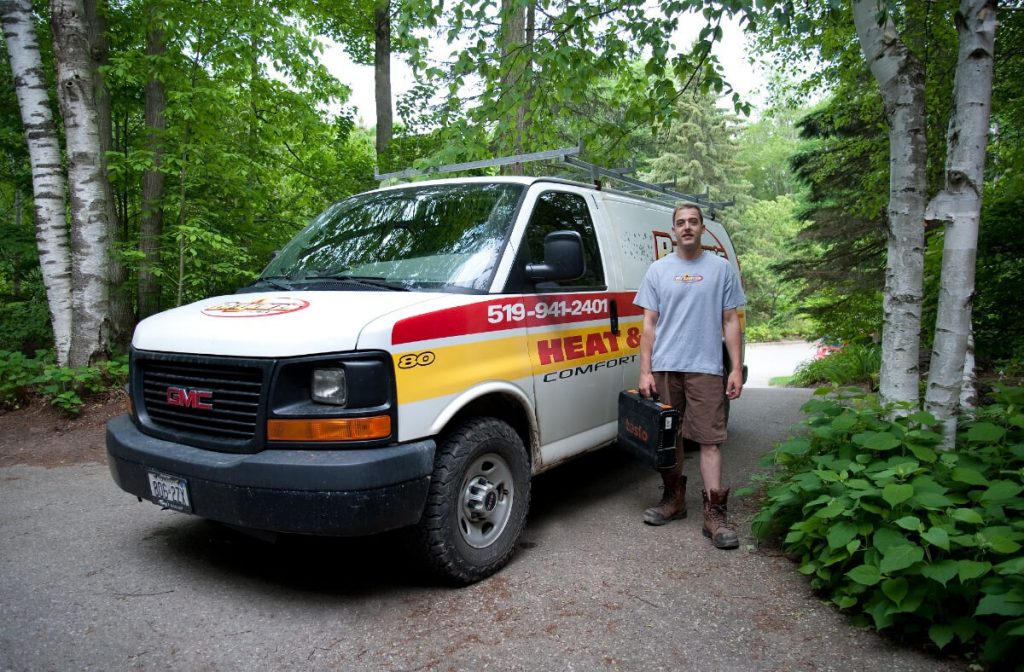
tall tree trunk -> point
(182, 219)
(151, 223)
(382, 79)
(900, 80)
(87, 177)
(959, 206)
(513, 62)
(122, 315)
(48, 184)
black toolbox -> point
(647, 429)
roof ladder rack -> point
(567, 156)
(484, 163)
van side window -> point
(562, 211)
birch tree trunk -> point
(959, 206)
(900, 80)
(87, 181)
(382, 78)
(122, 313)
(48, 184)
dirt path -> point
(43, 436)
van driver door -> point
(577, 372)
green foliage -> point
(524, 83)
(764, 234)
(1006, 144)
(838, 257)
(998, 331)
(844, 163)
(17, 375)
(855, 364)
(777, 330)
(697, 152)
(856, 316)
(24, 378)
(923, 543)
(256, 140)
(765, 148)
(24, 320)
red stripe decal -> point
(513, 312)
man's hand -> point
(647, 386)
(734, 384)
(733, 332)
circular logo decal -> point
(256, 307)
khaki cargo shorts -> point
(700, 400)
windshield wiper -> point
(368, 280)
(275, 281)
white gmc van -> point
(411, 358)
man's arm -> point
(646, 385)
(733, 342)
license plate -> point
(170, 491)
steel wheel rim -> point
(486, 498)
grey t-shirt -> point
(689, 297)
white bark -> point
(48, 186)
(87, 179)
(959, 206)
(901, 82)
(969, 386)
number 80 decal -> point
(414, 359)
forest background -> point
(190, 139)
(224, 134)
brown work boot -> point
(716, 523)
(673, 500)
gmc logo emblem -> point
(180, 396)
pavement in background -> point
(771, 360)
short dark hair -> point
(688, 206)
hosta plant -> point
(912, 540)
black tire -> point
(477, 503)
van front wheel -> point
(477, 502)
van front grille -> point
(215, 400)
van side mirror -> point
(563, 258)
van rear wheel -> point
(477, 503)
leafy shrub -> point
(17, 375)
(23, 377)
(851, 315)
(24, 324)
(776, 330)
(922, 543)
(762, 333)
(855, 364)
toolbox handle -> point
(656, 398)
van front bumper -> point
(328, 492)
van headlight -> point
(328, 386)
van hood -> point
(271, 324)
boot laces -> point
(718, 517)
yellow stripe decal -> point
(423, 374)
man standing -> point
(690, 299)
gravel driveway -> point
(92, 579)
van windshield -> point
(436, 238)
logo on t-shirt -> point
(688, 278)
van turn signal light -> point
(332, 429)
